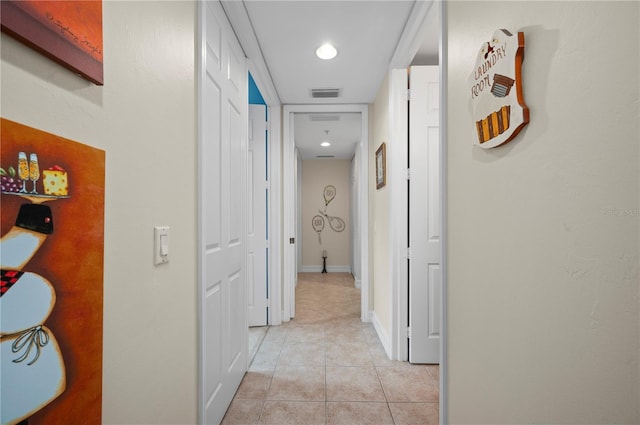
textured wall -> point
(379, 211)
(543, 232)
(144, 118)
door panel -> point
(257, 221)
(425, 281)
(222, 184)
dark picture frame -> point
(381, 166)
(68, 32)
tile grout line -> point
(266, 395)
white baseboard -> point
(330, 269)
(358, 284)
(382, 335)
(368, 316)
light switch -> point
(161, 244)
(164, 245)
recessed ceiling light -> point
(325, 144)
(326, 51)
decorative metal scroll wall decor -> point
(318, 221)
(499, 111)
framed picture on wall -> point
(381, 166)
(67, 31)
(52, 242)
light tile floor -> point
(327, 367)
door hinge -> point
(408, 95)
(408, 255)
(268, 303)
(408, 332)
(407, 173)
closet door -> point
(425, 235)
(222, 213)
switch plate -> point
(161, 245)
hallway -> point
(327, 367)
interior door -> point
(257, 243)
(222, 211)
(425, 241)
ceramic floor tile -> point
(254, 385)
(338, 327)
(350, 413)
(353, 384)
(306, 333)
(243, 412)
(276, 333)
(348, 354)
(302, 353)
(297, 374)
(408, 384)
(310, 319)
(434, 371)
(301, 383)
(415, 413)
(380, 357)
(256, 335)
(337, 337)
(266, 359)
(293, 413)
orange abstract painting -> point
(51, 298)
(69, 32)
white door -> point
(257, 244)
(222, 88)
(425, 241)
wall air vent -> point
(325, 93)
(323, 117)
(325, 156)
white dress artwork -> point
(32, 371)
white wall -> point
(379, 214)
(316, 175)
(144, 118)
(543, 232)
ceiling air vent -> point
(325, 156)
(323, 117)
(325, 93)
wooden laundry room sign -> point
(499, 111)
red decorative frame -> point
(69, 32)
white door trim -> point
(275, 179)
(257, 215)
(237, 15)
(399, 296)
(444, 363)
(397, 158)
(289, 208)
(275, 227)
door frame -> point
(273, 223)
(204, 326)
(289, 206)
(241, 24)
(398, 129)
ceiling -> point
(366, 34)
(342, 130)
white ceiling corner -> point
(280, 39)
